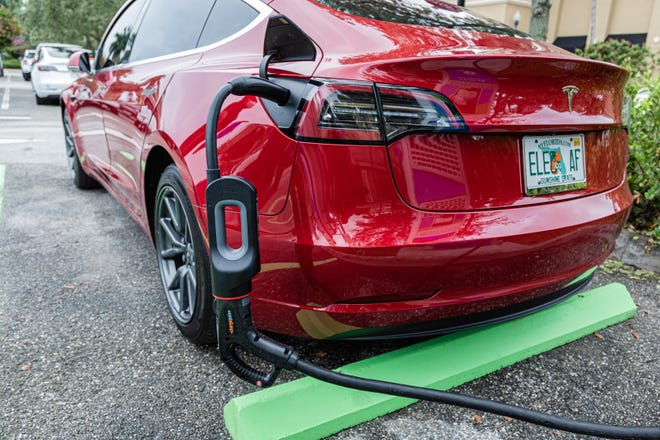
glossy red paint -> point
(356, 236)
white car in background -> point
(50, 74)
(26, 63)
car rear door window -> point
(227, 17)
(170, 26)
(116, 47)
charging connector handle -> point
(236, 333)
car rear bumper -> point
(424, 273)
(321, 325)
(50, 84)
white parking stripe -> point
(19, 141)
(5, 97)
(2, 184)
(5, 100)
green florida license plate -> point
(553, 164)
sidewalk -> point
(632, 251)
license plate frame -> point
(553, 164)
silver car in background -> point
(50, 74)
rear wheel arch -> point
(157, 160)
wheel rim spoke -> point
(173, 209)
(191, 287)
(172, 252)
(185, 290)
(175, 281)
(176, 239)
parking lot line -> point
(5, 97)
(15, 118)
(2, 185)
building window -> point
(571, 43)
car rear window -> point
(61, 52)
(434, 13)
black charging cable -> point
(476, 403)
(231, 275)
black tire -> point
(26, 76)
(41, 101)
(183, 260)
(80, 178)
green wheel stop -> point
(307, 408)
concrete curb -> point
(632, 251)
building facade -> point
(576, 23)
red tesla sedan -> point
(433, 170)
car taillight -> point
(47, 68)
(375, 113)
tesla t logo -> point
(570, 91)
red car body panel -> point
(353, 236)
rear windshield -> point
(433, 13)
(61, 52)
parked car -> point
(26, 63)
(432, 171)
(49, 73)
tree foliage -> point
(12, 5)
(68, 21)
(644, 131)
(9, 28)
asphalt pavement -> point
(89, 350)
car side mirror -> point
(80, 62)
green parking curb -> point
(307, 408)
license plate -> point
(553, 164)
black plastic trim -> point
(451, 325)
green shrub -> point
(644, 131)
(643, 162)
(11, 63)
(638, 60)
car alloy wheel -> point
(182, 259)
